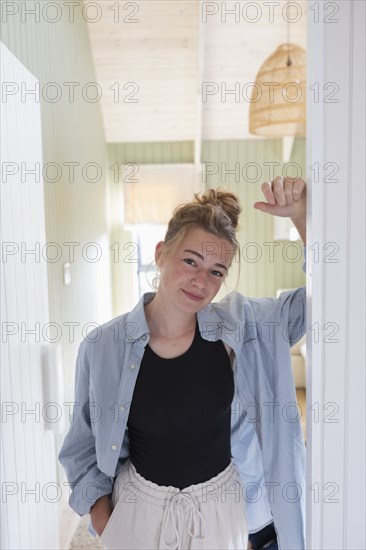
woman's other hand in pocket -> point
(100, 513)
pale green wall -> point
(163, 152)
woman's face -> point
(194, 270)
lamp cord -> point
(289, 62)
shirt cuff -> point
(85, 493)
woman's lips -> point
(193, 296)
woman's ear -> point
(158, 253)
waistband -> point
(141, 489)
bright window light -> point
(147, 236)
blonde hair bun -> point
(216, 211)
(226, 200)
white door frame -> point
(336, 276)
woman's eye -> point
(217, 273)
(190, 261)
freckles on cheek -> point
(182, 272)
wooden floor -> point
(301, 400)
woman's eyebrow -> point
(202, 258)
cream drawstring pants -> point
(208, 515)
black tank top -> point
(179, 421)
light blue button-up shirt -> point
(266, 438)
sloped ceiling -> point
(166, 68)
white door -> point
(30, 493)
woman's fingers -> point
(283, 197)
(279, 191)
(288, 184)
(267, 192)
(283, 191)
(299, 186)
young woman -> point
(184, 433)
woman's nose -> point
(200, 279)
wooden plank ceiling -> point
(154, 58)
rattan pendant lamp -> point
(278, 103)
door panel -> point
(30, 492)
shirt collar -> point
(211, 325)
(136, 324)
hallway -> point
(112, 114)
